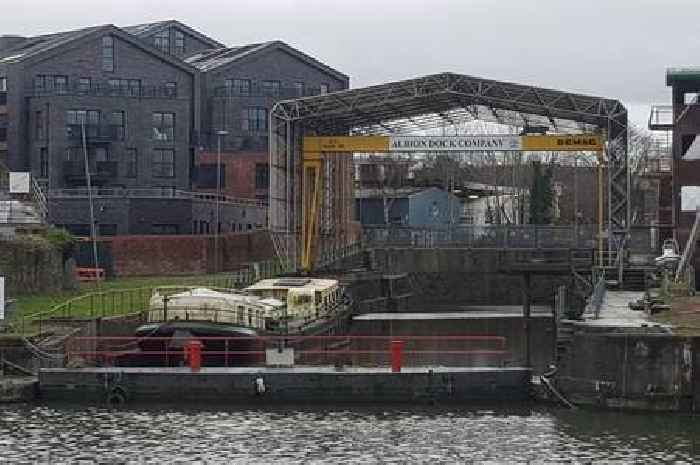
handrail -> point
(309, 350)
(113, 302)
(153, 193)
(39, 200)
(598, 296)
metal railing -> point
(661, 117)
(482, 236)
(349, 350)
(105, 90)
(39, 199)
(330, 256)
(152, 192)
(597, 298)
(279, 93)
(93, 132)
(117, 302)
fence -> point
(483, 236)
(114, 302)
(155, 193)
(466, 350)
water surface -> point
(520, 434)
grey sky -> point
(611, 48)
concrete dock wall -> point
(313, 384)
(635, 371)
(505, 325)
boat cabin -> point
(201, 304)
(306, 298)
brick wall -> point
(184, 254)
(239, 173)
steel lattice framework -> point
(415, 105)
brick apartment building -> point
(146, 102)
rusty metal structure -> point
(413, 106)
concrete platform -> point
(299, 384)
(616, 313)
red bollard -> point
(193, 353)
(396, 356)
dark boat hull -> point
(161, 344)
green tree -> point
(541, 194)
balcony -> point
(101, 172)
(283, 93)
(661, 118)
(103, 90)
(94, 133)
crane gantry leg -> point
(312, 180)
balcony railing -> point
(100, 172)
(94, 132)
(281, 93)
(661, 118)
(152, 193)
(103, 90)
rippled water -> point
(41, 434)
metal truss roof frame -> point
(425, 103)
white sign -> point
(690, 198)
(2, 297)
(19, 183)
(455, 144)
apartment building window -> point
(131, 163)
(300, 89)
(129, 87)
(3, 84)
(108, 53)
(163, 163)
(171, 89)
(39, 83)
(39, 133)
(238, 86)
(84, 85)
(118, 123)
(271, 88)
(75, 120)
(164, 126)
(45, 83)
(324, 89)
(162, 40)
(179, 42)
(44, 162)
(60, 84)
(262, 176)
(254, 119)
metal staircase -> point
(21, 213)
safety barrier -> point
(352, 350)
(113, 302)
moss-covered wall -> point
(30, 264)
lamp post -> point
(220, 135)
(93, 229)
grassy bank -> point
(30, 304)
